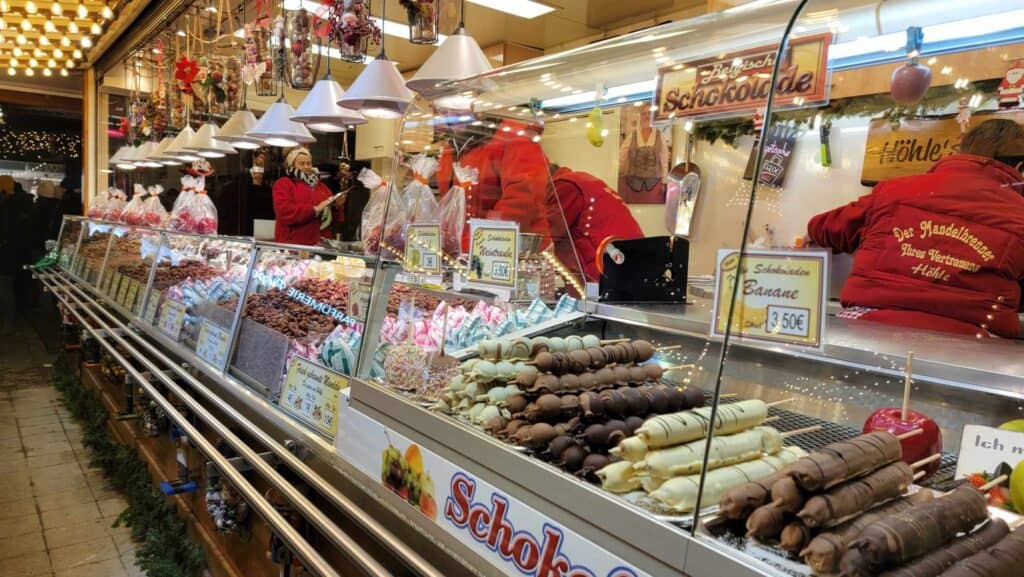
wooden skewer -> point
(679, 367)
(613, 341)
(728, 395)
(771, 419)
(909, 434)
(669, 348)
(908, 373)
(993, 483)
(1016, 524)
(782, 402)
(925, 461)
(796, 432)
(920, 475)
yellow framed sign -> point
(310, 393)
(493, 252)
(423, 248)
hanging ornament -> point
(595, 121)
(1011, 89)
(352, 28)
(301, 73)
(911, 81)
(964, 116)
(255, 65)
(185, 72)
(422, 16)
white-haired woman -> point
(303, 205)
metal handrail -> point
(282, 526)
(310, 511)
(409, 557)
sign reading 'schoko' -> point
(740, 82)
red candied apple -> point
(910, 82)
(915, 448)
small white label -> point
(790, 321)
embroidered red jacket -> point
(296, 223)
(942, 250)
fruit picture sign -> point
(782, 300)
(515, 538)
(986, 448)
(739, 82)
(311, 393)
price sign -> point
(76, 265)
(122, 291)
(311, 393)
(423, 248)
(132, 295)
(151, 308)
(172, 316)
(782, 296)
(493, 252)
(213, 342)
(358, 299)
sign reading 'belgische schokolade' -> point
(740, 82)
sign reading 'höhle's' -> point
(740, 81)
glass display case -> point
(596, 295)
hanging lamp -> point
(178, 149)
(320, 111)
(458, 57)
(235, 130)
(379, 91)
(160, 152)
(142, 155)
(121, 158)
(275, 127)
(204, 144)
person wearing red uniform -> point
(594, 215)
(512, 179)
(943, 250)
(301, 202)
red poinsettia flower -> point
(123, 125)
(185, 71)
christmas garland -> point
(165, 550)
(18, 144)
(729, 130)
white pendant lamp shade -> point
(204, 144)
(178, 149)
(121, 158)
(320, 111)
(458, 57)
(234, 130)
(160, 152)
(276, 128)
(379, 91)
(142, 155)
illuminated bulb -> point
(44, 41)
(37, 53)
(20, 39)
(51, 63)
(63, 72)
(3, 24)
(69, 64)
(56, 9)
(95, 29)
(58, 53)
(30, 72)
(30, 7)
(65, 42)
(25, 24)
(106, 13)
(4, 6)
(181, 33)
(86, 42)
(49, 26)
(11, 71)
(14, 62)
(82, 11)
(72, 27)
(77, 54)
(33, 62)
(18, 51)
(47, 72)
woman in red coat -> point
(594, 215)
(512, 172)
(301, 202)
(941, 251)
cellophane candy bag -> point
(373, 226)
(420, 203)
(153, 212)
(202, 209)
(132, 212)
(453, 208)
(115, 205)
(181, 220)
(99, 204)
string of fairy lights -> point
(38, 144)
(50, 37)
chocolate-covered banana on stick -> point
(857, 495)
(934, 563)
(767, 521)
(897, 539)
(687, 459)
(1004, 559)
(686, 426)
(680, 493)
(832, 464)
(794, 537)
(826, 549)
(739, 502)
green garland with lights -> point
(729, 130)
(165, 550)
(18, 144)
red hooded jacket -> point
(942, 250)
(293, 208)
(512, 183)
(594, 214)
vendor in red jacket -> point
(512, 172)
(941, 251)
(594, 215)
(302, 204)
